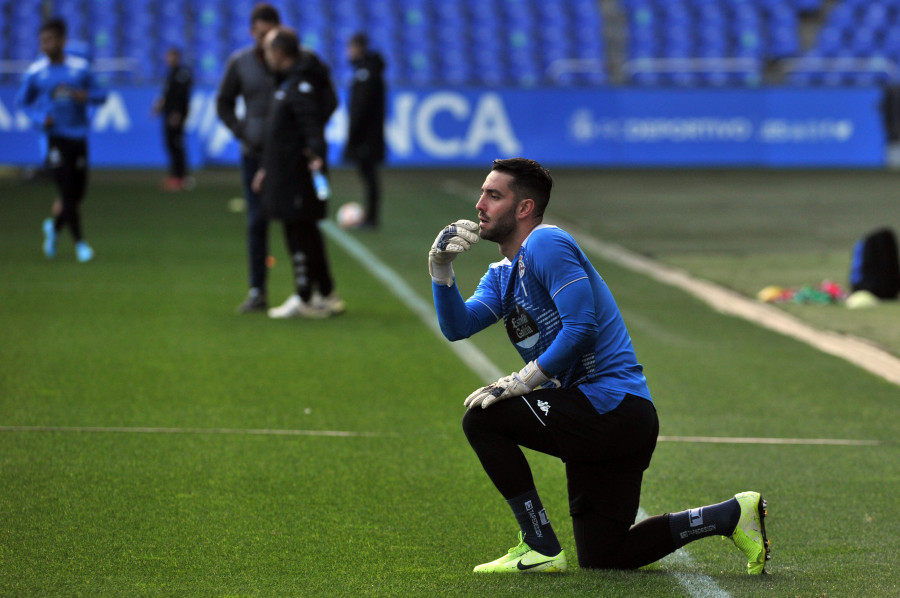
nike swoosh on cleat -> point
(522, 567)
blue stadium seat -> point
(715, 79)
(804, 79)
(867, 78)
(75, 12)
(863, 42)
(874, 16)
(453, 64)
(842, 16)
(783, 42)
(807, 5)
(23, 37)
(420, 69)
(209, 30)
(208, 63)
(646, 79)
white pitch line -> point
(223, 431)
(696, 584)
(350, 434)
(471, 355)
(801, 441)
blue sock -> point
(712, 520)
(535, 525)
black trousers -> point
(174, 137)
(310, 261)
(605, 457)
(67, 161)
(368, 172)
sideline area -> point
(854, 350)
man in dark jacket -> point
(294, 143)
(248, 77)
(365, 139)
(174, 105)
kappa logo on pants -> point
(544, 406)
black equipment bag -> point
(875, 266)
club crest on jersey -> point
(521, 266)
(523, 331)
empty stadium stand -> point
(469, 42)
(509, 43)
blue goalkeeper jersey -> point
(558, 310)
(47, 91)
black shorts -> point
(67, 160)
(605, 454)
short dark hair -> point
(265, 12)
(360, 40)
(286, 41)
(57, 25)
(529, 180)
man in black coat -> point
(174, 105)
(294, 146)
(365, 139)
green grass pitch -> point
(129, 390)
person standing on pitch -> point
(248, 77)
(55, 94)
(365, 137)
(174, 105)
(582, 395)
(294, 144)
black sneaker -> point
(254, 302)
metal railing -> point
(98, 65)
(737, 65)
(872, 65)
(575, 66)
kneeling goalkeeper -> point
(582, 395)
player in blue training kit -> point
(55, 94)
(582, 395)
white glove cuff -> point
(441, 273)
(531, 375)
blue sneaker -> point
(49, 239)
(83, 251)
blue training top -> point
(558, 310)
(47, 91)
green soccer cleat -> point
(750, 533)
(522, 559)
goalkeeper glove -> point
(450, 242)
(515, 385)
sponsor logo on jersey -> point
(523, 331)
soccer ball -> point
(350, 215)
